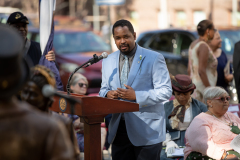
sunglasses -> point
(223, 99)
(82, 84)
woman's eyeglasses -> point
(223, 99)
(82, 84)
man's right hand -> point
(112, 94)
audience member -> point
(32, 52)
(236, 68)
(179, 114)
(224, 71)
(202, 64)
(210, 133)
(79, 85)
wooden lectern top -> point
(93, 106)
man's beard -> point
(126, 51)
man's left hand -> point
(128, 94)
(50, 56)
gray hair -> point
(76, 77)
(213, 92)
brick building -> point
(147, 15)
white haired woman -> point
(210, 133)
(79, 85)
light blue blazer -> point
(149, 77)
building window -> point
(198, 16)
(181, 18)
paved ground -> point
(106, 155)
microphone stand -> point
(91, 61)
(72, 104)
(86, 64)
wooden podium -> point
(92, 111)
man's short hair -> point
(17, 17)
(123, 23)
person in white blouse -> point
(179, 114)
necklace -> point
(234, 129)
(221, 120)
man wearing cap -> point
(25, 133)
(32, 51)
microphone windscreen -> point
(48, 90)
(104, 55)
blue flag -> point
(46, 9)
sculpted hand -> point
(50, 56)
(168, 138)
(112, 94)
(128, 94)
(170, 147)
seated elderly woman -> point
(179, 114)
(210, 133)
(79, 85)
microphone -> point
(91, 61)
(96, 59)
(49, 91)
(104, 55)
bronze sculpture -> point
(25, 133)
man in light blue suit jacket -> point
(136, 135)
